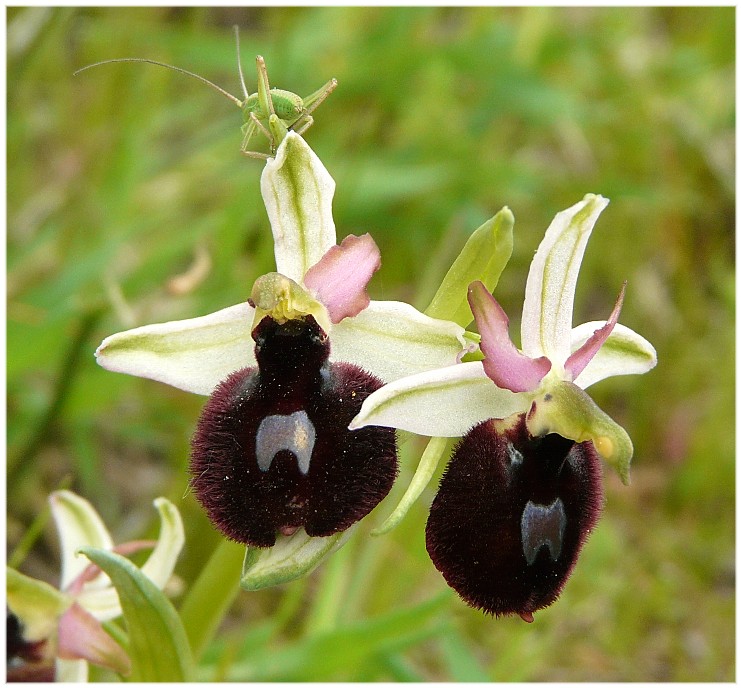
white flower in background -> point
(66, 623)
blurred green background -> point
(122, 177)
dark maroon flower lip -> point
(511, 516)
(272, 451)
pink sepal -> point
(81, 636)
(576, 363)
(340, 277)
(504, 364)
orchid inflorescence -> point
(308, 378)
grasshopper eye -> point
(511, 516)
(272, 452)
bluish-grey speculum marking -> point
(515, 456)
(294, 433)
(542, 526)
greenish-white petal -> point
(161, 562)
(194, 354)
(624, 352)
(104, 603)
(291, 557)
(482, 259)
(566, 409)
(37, 604)
(446, 402)
(298, 191)
(551, 283)
(392, 339)
(427, 464)
(78, 525)
(70, 671)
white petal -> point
(194, 355)
(104, 604)
(624, 352)
(161, 563)
(298, 191)
(446, 402)
(70, 671)
(551, 282)
(78, 525)
(392, 340)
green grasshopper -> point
(280, 110)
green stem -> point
(425, 470)
(212, 594)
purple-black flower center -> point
(272, 451)
(511, 516)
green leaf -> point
(483, 258)
(211, 595)
(319, 657)
(158, 646)
(458, 657)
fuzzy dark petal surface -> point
(245, 452)
(506, 498)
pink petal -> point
(504, 364)
(81, 636)
(585, 353)
(340, 277)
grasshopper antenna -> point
(239, 64)
(235, 100)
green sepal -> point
(36, 604)
(291, 557)
(158, 646)
(569, 411)
(427, 464)
(483, 258)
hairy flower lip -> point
(272, 452)
(544, 496)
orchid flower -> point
(67, 623)
(547, 378)
(273, 461)
(522, 490)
